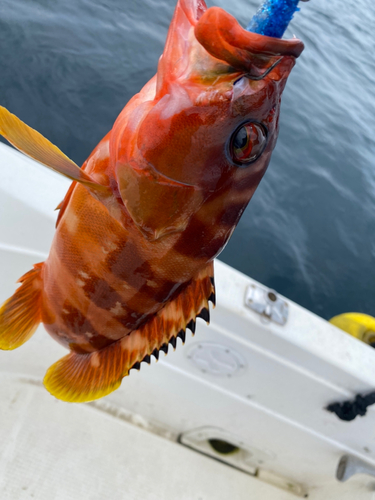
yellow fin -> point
(20, 315)
(33, 144)
(79, 378)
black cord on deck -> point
(349, 410)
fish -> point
(131, 265)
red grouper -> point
(131, 262)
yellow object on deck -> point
(360, 326)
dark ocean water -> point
(68, 67)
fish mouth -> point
(205, 42)
(253, 54)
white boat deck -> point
(259, 385)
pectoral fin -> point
(20, 315)
(33, 144)
(79, 378)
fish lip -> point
(225, 39)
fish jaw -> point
(204, 45)
(222, 36)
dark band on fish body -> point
(127, 256)
(100, 293)
(133, 320)
(147, 296)
(74, 319)
(190, 242)
(231, 215)
(161, 293)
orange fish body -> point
(131, 263)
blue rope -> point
(273, 17)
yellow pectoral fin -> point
(21, 314)
(33, 144)
(158, 205)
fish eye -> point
(248, 143)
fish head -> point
(204, 130)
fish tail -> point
(20, 315)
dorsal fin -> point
(33, 144)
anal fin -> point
(20, 315)
(79, 378)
